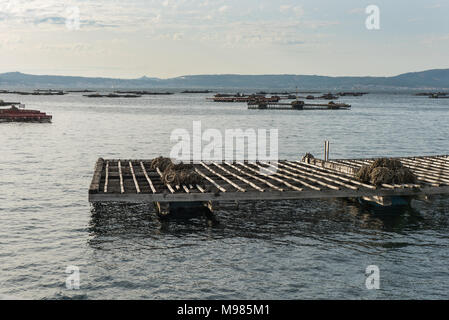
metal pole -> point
(325, 149)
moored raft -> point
(15, 114)
(133, 181)
(297, 105)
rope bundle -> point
(386, 171)
(176, 174)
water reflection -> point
(282, 221)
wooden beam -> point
(106, 178)
(95, 184)
(274, 195)
(254, 177)
(223, 177)
(292, 176)
(316, 174)
(240, 178)
(338, 174)
(153, 189)
(210, 180)
(134, 177)
(271, 177)
(122, 187)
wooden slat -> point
(153, 189)
(131, 168)
(317, 175)
(271, 177)
(254, 177)
(339, 175)
(200, 188)
(122, 187)
(427, 169)
(292, 176)
(106, 177)
(95, 184)
(313, 177)
(240, 178)
(223, 177)
(431, 165)
(210, 180)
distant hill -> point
(430, 79)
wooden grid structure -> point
(132, 181)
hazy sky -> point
(133, 38)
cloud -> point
(173, 20)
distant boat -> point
(20, 114)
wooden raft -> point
(132, 181)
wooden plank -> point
(292, 176)
(95, 184)
(122, 187)
(200, 188)
(106, 178)
(210, 180)
(223, 177)
(134, 177)
(240, 178)
(430, 170)
(254, 177)
(339, 175)
(428, 174)
(316, 174)
(333, 165)
(421, 174)
(271, 177)
(274, 195)
(153, 189)
(431, 165)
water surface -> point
(270, 250)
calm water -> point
(280, 250)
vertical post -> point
(326, 150)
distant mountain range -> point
(430, 79)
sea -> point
(55, 245)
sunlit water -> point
(270, 250)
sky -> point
(170, 38)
